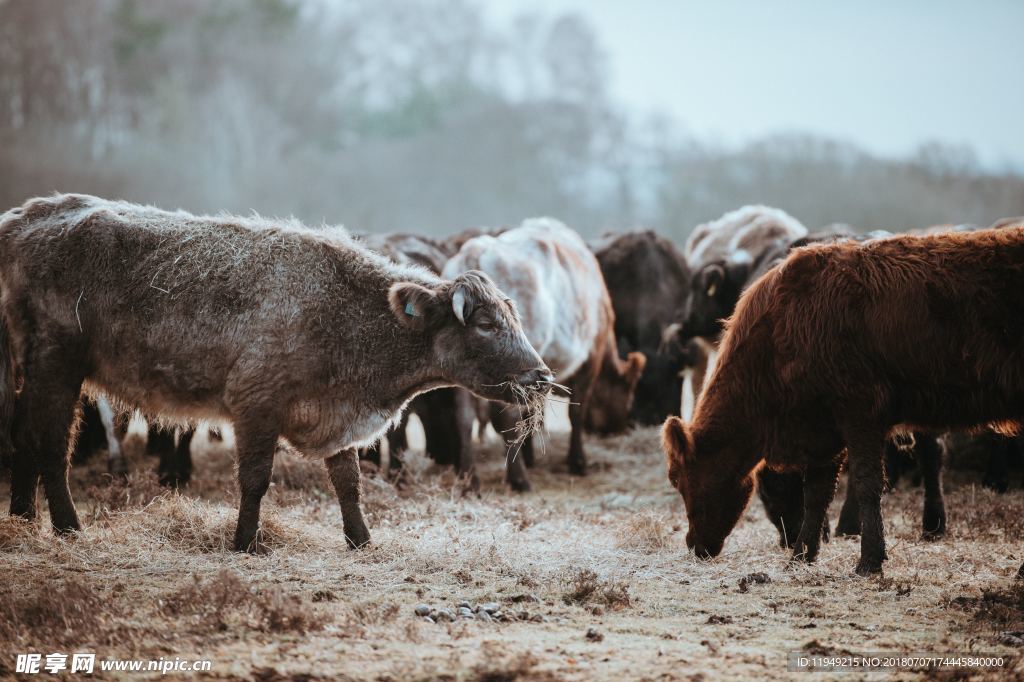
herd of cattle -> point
(827, 349)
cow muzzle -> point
(538, 378)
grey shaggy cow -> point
(284, 331)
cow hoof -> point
(520, 486)
(67, 529)
(357, 537)
(251, 544)
(578, 468)
(998, 483)
(117, 467)
(173, 481)
(804, 554)
(932, 535)
(933, 522)
(866, 568)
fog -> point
(437, 115)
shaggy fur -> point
(835, 350)
(279, 329)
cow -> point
(781, 493)
(722, 254)
(557, 286)
(646, 277)
(284, 331)
(835, 350)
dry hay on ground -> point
(591, 577)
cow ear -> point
(712, 278)
(412, 304)
(635, 363)
(674, 439)
(677, 440)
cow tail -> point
(8, 393)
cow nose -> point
(537, 375)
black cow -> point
(647, 277)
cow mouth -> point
(536, 379)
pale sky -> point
(886, 75)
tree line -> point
(412, 115)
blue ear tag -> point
(409, 310)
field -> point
(591, 577)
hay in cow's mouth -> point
(531, 402)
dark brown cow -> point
(284, 331)
(647, 277)
(835, 350)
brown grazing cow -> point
(838, 348)
(284, 331)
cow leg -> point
(929, 457)
(465, 416)
(581, 386)
(504, 419)
(44, 423)
(865, 448)
(782, 494)
(24, 482)
(91, 437)
(371, 454)
(849, 515)
(116, 464)
(997, 473)
(257, 441)
(398, 443)
(175, 468)
(343, 469)
(159, 440)
(436, 411)
(527, 453)
(819, 489)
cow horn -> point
(459, 304)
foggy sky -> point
(884, 75)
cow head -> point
(714, 495)
(713, 294)
(611, 400)
(478, 341)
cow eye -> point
(486, 326)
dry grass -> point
(51, 614)
(224, 602)
(152, 575)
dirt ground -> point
(151, 576)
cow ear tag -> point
(409, 310)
